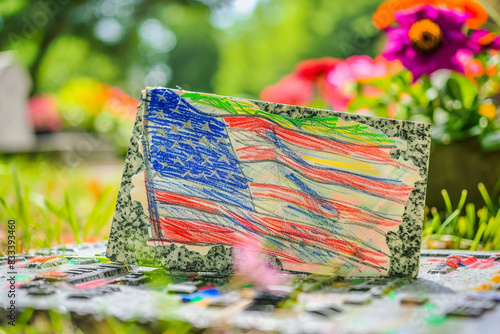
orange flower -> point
(391, 110)
(92, 239)
(491, 70)
(473, 68)
(488, 110)
(95, 188)
(385, 14)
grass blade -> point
(6, 207)
(48, 225)
(434, 224)
(27, 225)
(478, 236)
(71, 217)
(447, 221)
(486, 198)
(489, 229)
(96, 214)
(447, 202)
(496, 241)
(105, 217)
(462, 228)
(17, 187)
(461, 202)
(470, 217)
(59, 212)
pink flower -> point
(292, 89)
(341, 81)
(358, 68)
(472, 67)
(334, 80)
(299, 87)
(252, 267)
(44, 114)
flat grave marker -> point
(318, 191)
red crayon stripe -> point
(189, 232)
(302, 200)
(196, 203)
(298, 232)
(259, 125)
(200, 232)
(379, 188)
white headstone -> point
(16, 132)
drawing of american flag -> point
(319, 194)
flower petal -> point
(292, 89)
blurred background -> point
(71, 73)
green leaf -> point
(361, 102)
(10, 7)
(490, 141)
(462, 89)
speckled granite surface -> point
(405, 244)
(130, 229)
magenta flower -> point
(428, 40)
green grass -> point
(30, 321)
(52, 204)
(464, 226)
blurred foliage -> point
(231, 47)
(129, 43)
(77, 51)
(260, 50)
